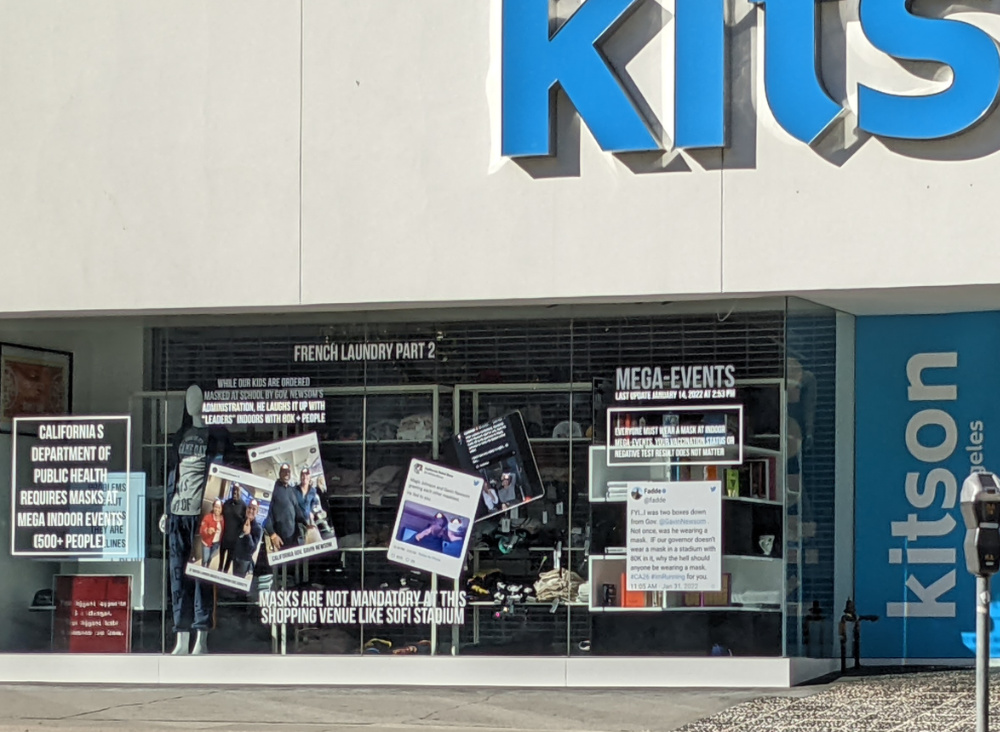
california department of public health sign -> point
(535, 60)
(928, 408)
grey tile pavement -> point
(941, 701)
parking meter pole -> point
(981, 513)
(982, 653)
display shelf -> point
(373, 443)
(760, 451)
(601, 474)
(602, 609)
(735, 499)
(748, 499)
(760, 576)
(723, 608)
(544, 406)
(546, 605)
(609, 570)
(477, 391)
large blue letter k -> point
(534, 63)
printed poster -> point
(234, 509)
(93, 614)
(433, 525)
(297, 525)
(675, 536)
(499, 450)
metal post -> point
(843, 644)
(982, 653)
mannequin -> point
(195, 448)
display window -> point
(627, 481)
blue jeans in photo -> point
(207, 552)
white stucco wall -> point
(187, 155)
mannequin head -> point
(193, 401)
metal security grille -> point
(812, 343)
(477, 351)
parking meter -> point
(981, 511)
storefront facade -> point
(369, 229)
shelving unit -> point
(544, 406)
(345, 441)
(756, 580)
(360, 438)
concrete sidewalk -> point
(277, 709)
(928, 701)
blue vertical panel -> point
(927, 408)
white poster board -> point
(675, 536)
(435, 518)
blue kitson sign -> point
(928, 410)
(535, 61)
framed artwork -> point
(34, 382)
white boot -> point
(183, 644)
(200, 643)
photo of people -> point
(432, 529)
(235, 508)
(503, 488)
(296, 526)
(500, 452)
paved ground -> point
(123, 709)
(912, 702)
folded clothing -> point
(343, 481)
(566, 429)
(415, 427)
(483, 584)
(384, 482)
(384, 429)
(757, 597)
(558, 584)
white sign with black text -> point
(435, 517)
(675, 536)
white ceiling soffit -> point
(910, 300)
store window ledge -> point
(606, 672)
